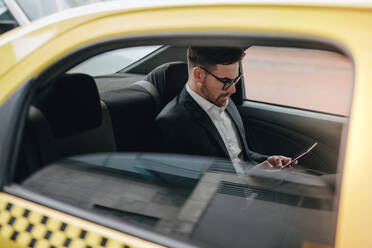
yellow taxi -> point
(79, 93)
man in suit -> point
(202, 120)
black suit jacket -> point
(184, 127)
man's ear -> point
(198, 74)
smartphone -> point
(301, 155)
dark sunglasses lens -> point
(231, 82)
(227, 85)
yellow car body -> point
(27, 51)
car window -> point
(7, 21)
(37, 9)
(112, 62)
(100, 148)
(302, 78)
(4, 12)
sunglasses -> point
(227, 82)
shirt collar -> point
(206, 105)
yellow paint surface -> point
(23, 223)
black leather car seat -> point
(168, 79)
(133, 108)
(69, 119)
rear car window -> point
(112, 62)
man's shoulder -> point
(174, 110)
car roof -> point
(102, 7)
(30, 37)
(107, 7)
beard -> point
(219, 101)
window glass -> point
(7, 21)
(38, 8)
(111, 62)
(301, 78)
(194, 198)
(4, 12)
(108, 154)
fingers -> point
(285, 160)
(265, 164)
(280, 161)
(275, 161)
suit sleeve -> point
(167, 136)
(257, 157)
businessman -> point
(203, 120)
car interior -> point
(89, 141)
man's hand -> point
(276, 162)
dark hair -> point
(210, 56)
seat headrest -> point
(74, 105)
(169, 79)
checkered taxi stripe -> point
(27, 227)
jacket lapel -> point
(235, 116)
(202, 118)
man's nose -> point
(231, 89)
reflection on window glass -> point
(195, 198)
(4, 12)
(38, 8)
(114, 61)
(7, 21)
(302, 78)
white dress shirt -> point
(225, 126)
